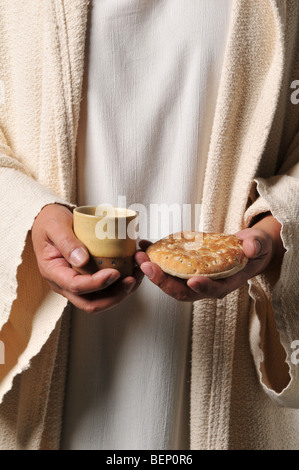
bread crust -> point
(189, 253)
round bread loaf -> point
(189, 253)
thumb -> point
(79, 256)
(256, 247)
(72, 249)
(61, 234)
(254, 244)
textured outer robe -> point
(244, 384)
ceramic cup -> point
(109, 234)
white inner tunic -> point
(152, 77)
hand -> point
(57, 248)
(261, 244)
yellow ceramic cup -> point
(109, 234)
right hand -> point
(57, 249)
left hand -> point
(261, 244)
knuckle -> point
(66, 243)
(74, 289)
(179, 294)
(44, 273)
(91, 308)
(54, 287)
(163, 284)
(48, 276)
(181, 297)
(57, 289)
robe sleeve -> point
(274, 326)
(28, 309)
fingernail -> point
(78, 256)
(258, 247)
(148, 270)
(112, 278)
(196, 288)
(129, 287)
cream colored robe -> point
(244, 376)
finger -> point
(219, 288)
(252, 246)
(60, 273)
(92, 305)
(257, 246)
(175, 287)
(208, 288)
(256, 243)
(138, 276)
(141, 257)
(96, 302)
(60, 233)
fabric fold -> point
(278, 192)
(42, 57)
(22, 334)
